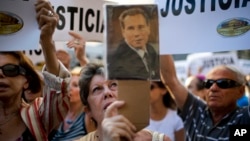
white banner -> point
(181, 71)
(203, 62)
(18, 26)
(245, 66)
(188, 26)
(82, 16)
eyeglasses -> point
(11, 70)
(221, 83)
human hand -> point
(47, 19)
(78, 43)
(116, 127)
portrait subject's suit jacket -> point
(125, 63)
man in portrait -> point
(135, 57)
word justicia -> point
(89, 19)
(189, 6)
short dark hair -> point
(86, 75)
(168, 100)
(132, 12)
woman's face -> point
(156, 93)
(11, 86)
(102, 93)
(74, 91)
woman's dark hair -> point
(34, 79)
(86, 75)
(168, 100)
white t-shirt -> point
(171, 123)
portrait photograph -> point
(132, 41)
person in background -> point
(134, 58)
(244, 100)
(64, 57)
(20, 121)
(210, 120)
(194, 84)
(76, 123)
(248, 85)
(101, 99)
(163, 114)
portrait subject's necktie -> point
(146, 60)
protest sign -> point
(18, 26)
(82, 16)
(201, 63)
(188, 26)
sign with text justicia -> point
(19, 29)
(188, 26)
(83, 16)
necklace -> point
(9, 117)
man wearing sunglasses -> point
(210, 120)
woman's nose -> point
(107, 92)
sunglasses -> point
(11, 70)
(221, 83)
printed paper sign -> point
(18, 25)
(82, 16)
(132, 42)
(188, 26)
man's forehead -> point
(220, 73)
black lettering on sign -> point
(210, 63)
(89, 26)
(190, 9)
(177, 11)
(33, 52)
(176, 6)
(72, 11)
(89, 19)
(61, 11)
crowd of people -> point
(60, 103)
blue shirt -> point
(76, 131)
(243, 101)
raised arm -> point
(47, 21)
(78, 43)
(55, 102)
(168, 74)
